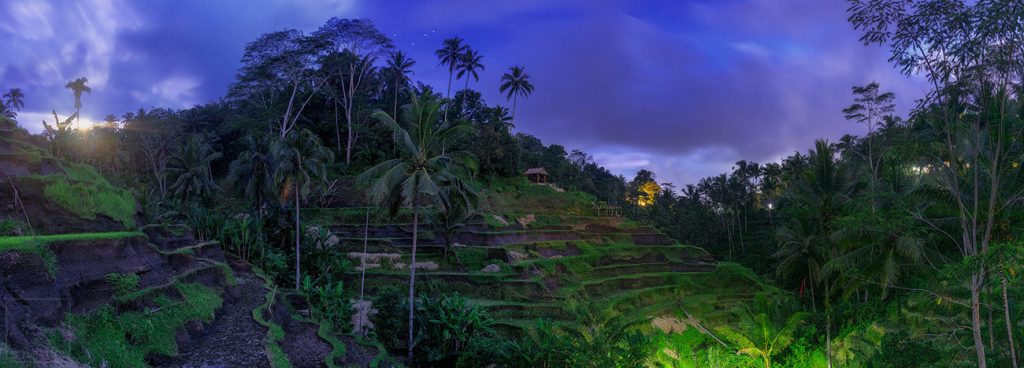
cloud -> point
(175, 91)
(750, 79)
(684, 88)
(48, 43)
(751, 48)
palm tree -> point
(78, 87)
(424, 174)
(252, 172)
(765, 331)
(14, 101)
(450, 220)
(191, 167)
(400, 66)
(449, 56)
(823, 189)
(469, 65)
(515, 83)
(801, 254)
(301, 161)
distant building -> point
(537, 175)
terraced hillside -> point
(530, 258)
(83, 283)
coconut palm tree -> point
(424, 174)
(301, 162)
(515, 83)
(764, 331)
(469, 65)
(449, 56)
(823, 188)
(801, 255)
(252, 172)
(191, 166)
(14, 101)
(399, 66)
(77, 87)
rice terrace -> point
(454, 183)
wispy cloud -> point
(685, 88)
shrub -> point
(446, 327)
(329, 302)
(392, 316)
(206, 224)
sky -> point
(684, 88)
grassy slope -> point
(81, 189)
(86, 193)
(123, 339)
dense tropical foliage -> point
(900, 247)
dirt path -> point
(234, 339)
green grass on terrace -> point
(517, 195)
(32, 242)
(123, 339)
(86, 193)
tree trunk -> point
(412, 275)
(814, 303)
(337, 128)
(979, 341)
(739, 225)
(449, 96)
(362, 262)
(828, 324)
(348, 147)
(515, 99)
(394, 110)
(991, 326)
(1009, 325)
(466, 97)
(298, 236)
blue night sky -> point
(684, 88)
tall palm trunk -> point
(412, 274)
(394, 110)
(1009, 325)
(466, 97)
(515, 98)
(298, 236)
(450, 72)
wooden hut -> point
(537, 175)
